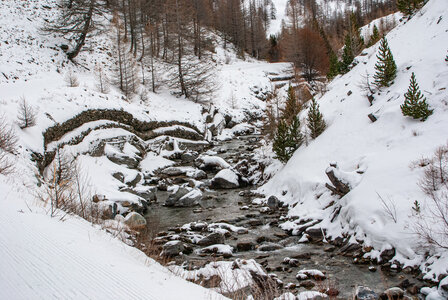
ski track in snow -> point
(45, 258)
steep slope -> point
(376, 158)
(64, 256)
(45, 258)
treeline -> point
(321, 41)
(175, 32)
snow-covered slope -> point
(376, 157)
(46, 258)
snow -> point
(219, 249)
(382, 151)
(153, 162)
(310, 295)
(228, 175)
(213, 161)
(50, 258)
(233, 278)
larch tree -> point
(76, 20)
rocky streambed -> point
(229, 222)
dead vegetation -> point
(8, 143)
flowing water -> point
(225, 205)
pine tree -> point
(292, 106)
(315, 121)
(347, 56)
(287, 139)
(408, 7)
(334, 65)
(405, 6)
(386, 69)
(415, 104)
(375, 36)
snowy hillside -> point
(376, 158)
(66, 257)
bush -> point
(432, 219)
(8, 142)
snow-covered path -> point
(45, 258)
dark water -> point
(225, 205)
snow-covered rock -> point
(225, 179)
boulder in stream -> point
(365, 293)
(225, 179)
(135, 221)
(212, 239)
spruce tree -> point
(405, 6)
(288, 139)
(334, 65)
(375, 36)
(315, 121)
(292, 106)
(280, 145)
(347, 55)
(415, 104)
(386, 69)
(408, 7)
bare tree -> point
(27, 115)
(126, 69)
(76, 20)
(197, 78)
(102, 79)
(8, 142)
(432, 221)
(71, 79)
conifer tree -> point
(292, 106)
(408, 7)
(405, 6)
(287, 139)
(334, 65)
(347, 56)
(315, 121)
(386, 69)
(415, 104)
(375, 36)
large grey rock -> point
(245, 246)
(173, 248)
(225, 179)
(394, 293)
(174, 197)
(269, 247)
(191, 198)
(174, 171)
(365, 293)
(135, 221)
(146, 192)
(273, 203)
(124, 159)
(133, 182)
(212, 239)
(188, 156)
